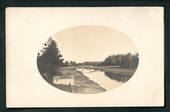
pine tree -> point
(52, 55)
(49, 59)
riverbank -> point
(82, 84)
(115, 73)
(90, 79)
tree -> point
(72, 63)
(66, 63)
(52, 55)
(49, 59)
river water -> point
(100, 78)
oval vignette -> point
(87, 59)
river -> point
(100, 78)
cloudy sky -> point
(92, 43)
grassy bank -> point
(82, 84)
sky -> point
(92, 43)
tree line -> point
(123, 60)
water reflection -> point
(118, 77)
(100, 78)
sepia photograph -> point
(84, 57)
(87, 59)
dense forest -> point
(122, 60)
